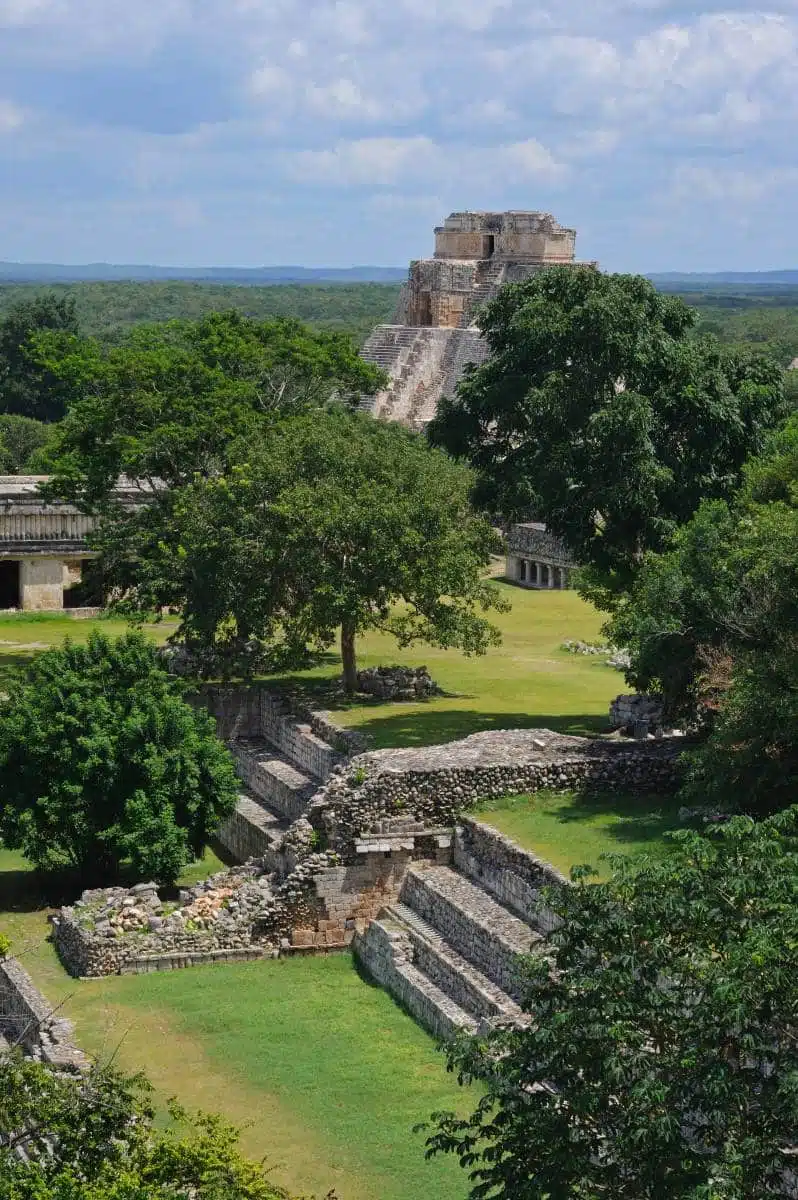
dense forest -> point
(764, 317)
(107, 309)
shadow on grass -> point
(429, 725)
(24, 891)
(644, 818)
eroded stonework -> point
(434, 335)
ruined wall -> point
(513, 876)
(28, 1021)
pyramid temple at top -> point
(434, 334)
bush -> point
(103, 764)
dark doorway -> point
(425, 308)
(9, 584)
(488, 245)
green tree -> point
(660, 1059)
(167, 402)
(598, 412)
(103, 763)
(332, 521)
(22, 439)
(27, 386)
(94, 1137)
(724, 591)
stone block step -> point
(451, 972)
(252, 831)
(273, 780)
(471, 922)
(385, 951)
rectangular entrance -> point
(488, 245)
(9, 584)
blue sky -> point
(333, 132)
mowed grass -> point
(329, 1072)
(526, 682)
(326, 1072)
(572, 829)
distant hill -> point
(257, 276)
(700, 279)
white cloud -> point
(528, 160)
(729, 186)
(11, 117)
(371, 161)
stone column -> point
(41, 584)
(551, 575)
(534, 574)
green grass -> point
(527, 682)
(570, 829)
(327, 1074)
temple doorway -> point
(9, 584)
(488, 245)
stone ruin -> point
(434, 334)
(372, 850)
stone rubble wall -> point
(28, 1021)
(435, 784)
(513, 876)
(627, 711)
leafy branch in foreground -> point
(660, 1062)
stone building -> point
(42, 545)
(537, 559)
(434, 334)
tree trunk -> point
(348, 656)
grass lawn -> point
(527, 682)
(569, 829)
(324, 1069)
(329, 1071)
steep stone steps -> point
(252, 831)
(387, 953)
(451, 972)
(275, 782)
(471, 922)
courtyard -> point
(326, 1072)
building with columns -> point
(537, 559)
(43, 545)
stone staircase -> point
(278, 789)
(448, 951)
(487, 281)
(424, 363)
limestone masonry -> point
(372, 850)
(434, 335)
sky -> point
(340, 132)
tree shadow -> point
(639, 818)
(24, 891)
(428, 725)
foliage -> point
(22, 440)
(108, 310)
(597, 413)
(660, 1059)
(27, 387)
(102, 763)
(5, 945)
(93, 1137)
(330, 521)
(725, 591)
(167, 402)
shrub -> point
(104, 764)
